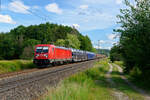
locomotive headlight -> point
(37, 55)
(46, 55)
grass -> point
(142, 81)
(15, 65)
(88, 85)
(120, 63)
(92, 85)
(122, 86)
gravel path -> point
(147, 97)
(119, 95)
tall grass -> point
(92, 85)
(120, 63)
(136, 76)
(15, 65)
(88, 85)
(122, 86)
(140, 79)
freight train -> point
(46, 54)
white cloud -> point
(100, 47)
(106, 41)
(106, 48)
(97, 21)
(102, 41)
(91, 14)
(35, 7)
(97, 47)
(83, 7)
(88, 20)
(111, 36)
(53, 8)
(6, 19)
(18, 7)
(99, 42)
(118, 2)
(76, 26)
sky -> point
(95, 18)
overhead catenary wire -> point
(41, 16)
(30, 11)
(46, 16)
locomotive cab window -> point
(38, 49)
(45, 49)
(42, 50)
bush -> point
(135, 72)
(15, 65)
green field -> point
(15, 65)
(88, 85)
(92, 84)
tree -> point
(135, 35)
(60, 42)
(115, 53)
(28, 49)
(21, 40)
(85, 43)
(7, 47)
(72, 41)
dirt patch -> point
(119, 95)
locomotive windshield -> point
(42, 50)
(45, 49)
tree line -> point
(134, 45)
(19, 43)
(105, 52)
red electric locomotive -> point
(49, 54)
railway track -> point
(26, 71)
(24, 86)
(10, 74)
